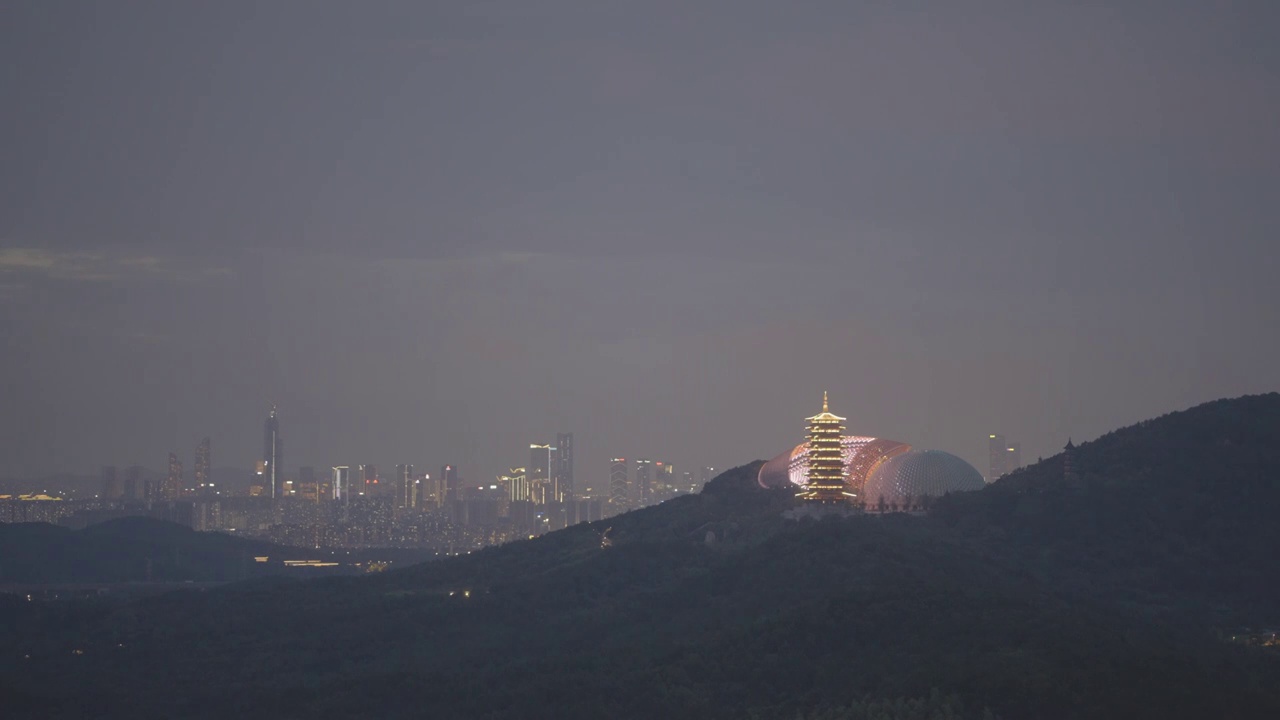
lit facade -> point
(861, 455)
(272, 456)
(564, 466)
(341, 482)
(516, 482)
(172, 486)
(825, 472)
(203, 468)
(542, 485)
(644, 481)
(619, 487)
(997, 456)
(449, 483)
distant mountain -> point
(1041, 596)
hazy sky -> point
(437, 232)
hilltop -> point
(1040, 596)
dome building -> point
(863, 471)
(903, 482)
(861, 456)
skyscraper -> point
(449, 483)
(664, 480)
(341, 482)
(542, 487)
(708, 472)
(203, 467)
(1013, 457)
(173, 481)
(404, 485)
(308, 484)
(272, 456)
(134, 489)
(564, 466)
(367, 480)
(644, 481)
(826, 458)
(110, 483)
(619, 492)
(996, 452)
(516, 482)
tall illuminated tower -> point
(272, 456)
(564, 465)
(173, 481)
(644, 481)
(997, 453)
(404, 485)
(449, 483)
(341, 483)
(203, 480)
(619, 490)
(826, 458)
(542, 487)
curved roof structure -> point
(862, 455)
(903, 481)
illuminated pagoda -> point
(826, 459)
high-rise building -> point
(173, 481)
(203, 468)
(687, 484)
(272, 456)
(619, 487)
(542, 487)
(516, 484)
(134, 488)
(997, 451)
(341, 483)
(110, 483)
(564, 466)
(404, 485)
(707, 474)
(644, 482)
(308, 484)
(1013, 457)
(825, 473)
(450, 483)
(664, 479)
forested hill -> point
(1180, 509)
(1037, 597)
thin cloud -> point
(99, 267)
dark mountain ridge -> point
(131, 549)
(1040, 596)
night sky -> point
(437, 232)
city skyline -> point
(440, 230)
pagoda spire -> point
(824, 401)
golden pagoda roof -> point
(826, 414)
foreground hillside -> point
(1037, 597)
(132, 549)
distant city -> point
(359, 506)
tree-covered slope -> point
(1037, 597)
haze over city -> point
(440, 232)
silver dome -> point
(899, 483)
